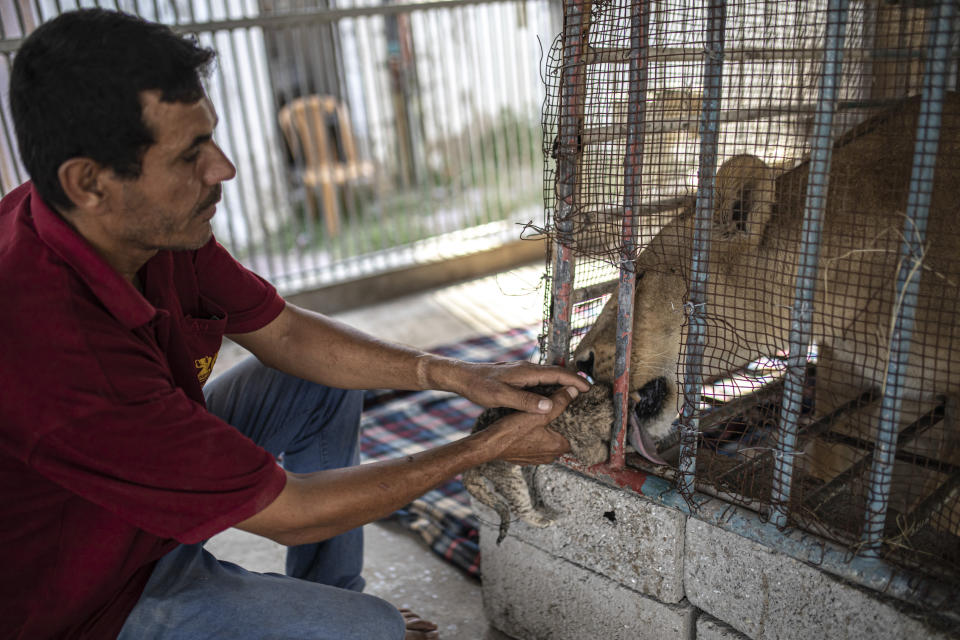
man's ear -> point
(82, 180)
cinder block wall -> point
(619, 566)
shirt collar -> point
(119, 296)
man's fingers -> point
(505, 384)
(561, 399)
(532, 374)
(533, 442)
(541, 444)
(569, 378)
(552, 406)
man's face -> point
(172, 202)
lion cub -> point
(585, 424)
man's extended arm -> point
(320, 505)
(315, 347)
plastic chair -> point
(318, 130)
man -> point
(114, 466)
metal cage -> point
(786, 406)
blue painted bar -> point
(801, 317)
(697, 300)
(908, 279)
(632, 195)
(576, 25)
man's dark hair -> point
(75, 91)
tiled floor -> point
(398, 567)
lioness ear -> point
(744, 202)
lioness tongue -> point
(642, 442)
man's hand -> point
(526, 437)
(317, 506)
(498, 384)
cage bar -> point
(908, 278)
(576, 29)
(697, 300)
(243, 145)
(286, 42)
(802, 313)
(633, 188)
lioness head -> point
(745, 196)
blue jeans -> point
(191, 594)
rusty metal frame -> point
(576, 30)
(633, 187)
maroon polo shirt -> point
(108, 457)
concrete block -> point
(532, 595)
(616, 533)
(712, 629)
(765, 594)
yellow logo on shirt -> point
(205, 367)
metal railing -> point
(366, 136)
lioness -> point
(754, 250)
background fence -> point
(366, 136)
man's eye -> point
(190, 157)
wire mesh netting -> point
(783, 178)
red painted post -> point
(576, 27)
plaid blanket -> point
(401, 423)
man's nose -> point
(220, 169)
